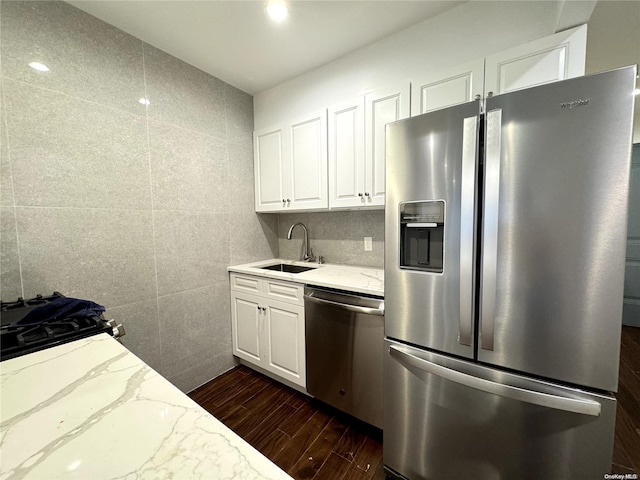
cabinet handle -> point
(288, 200)
(359, 194)
(264, 309)
(284, 200)
(366, 194)
(259, 308)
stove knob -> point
(118, 330)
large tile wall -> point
(139, 208)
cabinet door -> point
(446, 88)
(246, 318)
(284, 339)
(306, 173)
(381, 107)
(546, 60)
(268, 169)
(346, 154)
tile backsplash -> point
(337, 236)
(138, 207)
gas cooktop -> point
(46, 321)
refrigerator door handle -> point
(467, 226)
(490, 227)
(557, 402)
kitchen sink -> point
(288, 268)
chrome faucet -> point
(308, 253)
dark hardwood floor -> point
(626, 450)
(310, 440)
(307, 439)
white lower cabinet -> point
(267, 325)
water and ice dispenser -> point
(422, 235)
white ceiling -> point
(236, 42)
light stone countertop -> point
(342, 277)
(90, 409)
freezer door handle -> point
(467, 226)
(557, 402)
(490, 228)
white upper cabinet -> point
(307, 174)
(290, 165)
(546, 60)
(381, 107)
(346, 154)
(337, 160)
(445, 88)
(268, 167)
(357, 146)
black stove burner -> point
(19, 339)
(11, 312)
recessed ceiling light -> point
(144, 101)
(277, 10)
(41, 67)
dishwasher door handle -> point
(346, 306)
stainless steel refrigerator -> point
(505, 237)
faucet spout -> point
(308, 253)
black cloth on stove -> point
(61, 308)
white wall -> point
(613, 40)
(470, 31)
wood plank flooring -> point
(307, 439)
(626, 449)
(310, 440)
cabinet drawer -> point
(278, 290)
(287, 292)
(244, 283)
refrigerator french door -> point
(505, 234)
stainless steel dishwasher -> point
(344, 341)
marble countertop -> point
(342, 277)
(90, 409)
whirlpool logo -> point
(581, 102)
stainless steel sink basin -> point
(285, 267)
